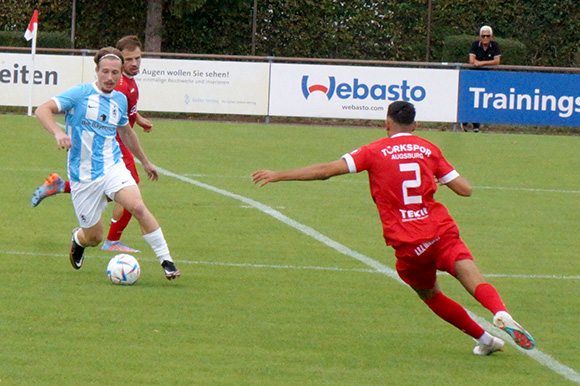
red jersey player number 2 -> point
(403, 170)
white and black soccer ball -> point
(123, 269)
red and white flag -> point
(30, 32)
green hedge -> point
(456, 50)
(44, 39)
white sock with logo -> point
(157, 242)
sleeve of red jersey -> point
(356, 160)
(445, 171)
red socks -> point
(67, 186)
(117, 227)
(489, 298)
(453, 313)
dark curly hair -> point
(401, 112)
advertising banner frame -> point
(361, 92)
(524, 98)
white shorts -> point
(90, 198)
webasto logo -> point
(358, 90)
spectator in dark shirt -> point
(483, 52)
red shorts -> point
(130, 164)
(418, 264)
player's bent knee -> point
(139, 210)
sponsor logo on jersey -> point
(114, 112)
(406, 148)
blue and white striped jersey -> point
(91, 120)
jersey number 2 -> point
(411, 167)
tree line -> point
(340, 29)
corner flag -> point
(30, 32)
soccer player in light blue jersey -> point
(94, 115)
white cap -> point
(485, 28)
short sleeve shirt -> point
(481, 54)
(403, 173)
(91, 120)
(128, 86)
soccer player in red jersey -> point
(130, 46)
(403, 170)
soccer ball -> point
(123, 269)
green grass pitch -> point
(261, 303)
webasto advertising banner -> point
(198, 86)
(323, 91)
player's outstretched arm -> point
(308, 173)
(460, 186)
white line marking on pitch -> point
(347, 180)
(290, 267)
(528, 189)
(340, 180)
(217, 263)
(537, 355)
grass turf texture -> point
(237, 316)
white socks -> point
(157, 242)
(485, 339)
(76, 238)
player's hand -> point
(146, 125)
(63, 141)
(264, 176)
(151, 171)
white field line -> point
(522, 276)
(201, 262)
(528, 189)
(286, 266)
(196, 175)
(343, 180)
(539, 356)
